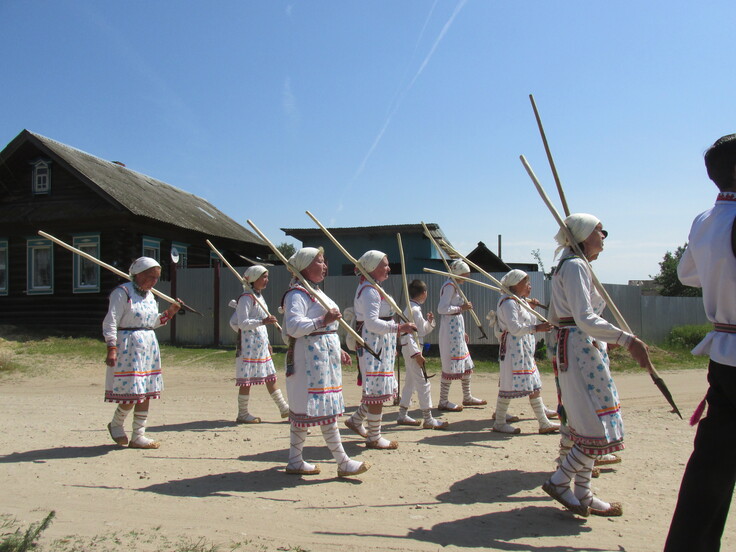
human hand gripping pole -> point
(501, 287)
(656, 378)
(405, 283)
(242, 281)
(310, 290)
(114, 270)
(454, 280)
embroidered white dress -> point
(253, 365)
(519, 376)
(314, 370)
(589, 396)
(129, 324)
(454, 353)
(379, 333)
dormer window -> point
(41, 176)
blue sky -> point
(392, 112)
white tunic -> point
(454, 352)
(315, 386)
(411, 347)
(128, 325)
(253, 365)
(379, 383)
(519, 376)
(589, 396)
(709, 263)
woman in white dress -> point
(313, 365)
(133, 360)
(590, 402)
(253, 363)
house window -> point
(86, 272)
(40, 276)
(181, 250)
(152, 248)
(3, 267)
(41, 177)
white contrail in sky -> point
(427, 58)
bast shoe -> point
(549, 428)
(614, 510)
(607, 459)
(249, 419)
(449, 407)
(473, 401)
(506, 428)
(558, 491)
(392, 445)
(364, 467)
(302, 471)
(510, 418)
(435, 424)
(357, 428)
(408, 421)
(144, 443)
(118, 435)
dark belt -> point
(724, 328)
(133, 329)
(566, 322)
(323, 333)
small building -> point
(105, 209)
(418, 249)
(490, 262)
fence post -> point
(217, 305)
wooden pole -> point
(242, 281)
(313, 293)
(362, 270)
(454, 280)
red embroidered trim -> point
(726, 196)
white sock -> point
(444, 390)
(332, 437)
(297, 437)
(243, 405)
(502, 406)
(538, 407)
(583, 491)
(466, 388)
(118, 418)
(139, 428)
(374, 430)
(278, 398)
(359, 415)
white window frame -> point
(183, 249)
(41, 177)
(35, 246)
(151, 247)
(4, 267)
(89, 243)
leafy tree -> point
(287, 249)
(667, 281)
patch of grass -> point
(22, 541)
(687, 337)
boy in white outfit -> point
(411, 348)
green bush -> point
(688, 337)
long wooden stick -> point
(503, 288)
(552, 166)
(242, 281)
(363, 271)
(405, 283)
(454, 280)
(597, 284)
(464, 279)
(112, 269)
(312, 292)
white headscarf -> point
(142, 264)
(252, 273)
(513, 277)
(371, 259)
(459, 267)
(304, 257)
(581, 225)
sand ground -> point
(461, 489)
